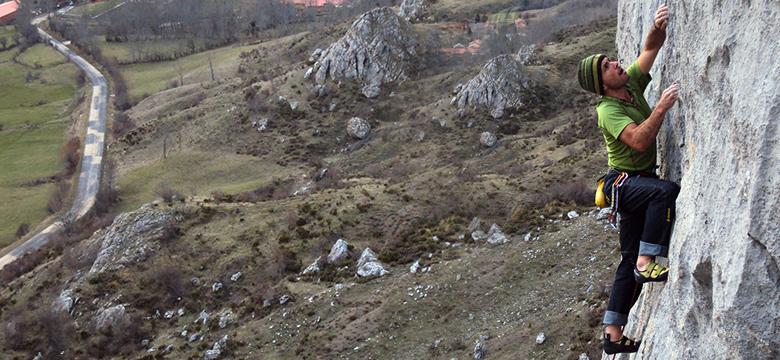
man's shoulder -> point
(607, 106)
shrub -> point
(121, 124)
(168, 194)
(58, 198)
(71, 155)
(22, 230)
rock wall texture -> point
(721, 143)
(379, 48)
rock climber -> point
(644, 204)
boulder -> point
(112, 319)
(261, 124)
(721, 143)
(379, 48)
(412, 10)
(314, 267)
(132, 237)
(358, 128)
(338, 252)
(369, 265)
(475, 224)
(503, 84)
(226, 317)
(540, 338)
(495, 236)
(64, 303)
(478, 235)
(488, 139)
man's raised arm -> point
(655, 39)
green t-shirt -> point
(615, 114)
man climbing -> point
(645, 203)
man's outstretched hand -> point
(662, 17)
(668, 97)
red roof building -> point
(8, 12)
(317, 3)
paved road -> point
(92, 154)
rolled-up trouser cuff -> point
(648, 249)
(615, 318)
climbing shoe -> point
(623, 345)
(653, 272)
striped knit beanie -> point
(589, 74)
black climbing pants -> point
(646, 210)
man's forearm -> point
(655, 39)
(648, 129)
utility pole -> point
(211, 67)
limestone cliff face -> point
(721, 143)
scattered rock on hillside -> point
(216, 350)
(261, 124)
(502, 84)
(476, 224)
(378, 48)
(415, 267)
(572, 214)
(226, 318)
(583, 356)
(111, 319)
(496, 236)
(480, 348)
(64, 303)
(412, 10)
(358, 128)
(338, 252)
(315, 55)
(540, 338)
(314, 267)
(132, 237)
(525, 53)
(488, 139)
(478, 235)
(369, 265)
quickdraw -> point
(614, 215)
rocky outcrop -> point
(503, 84)
(412, 10)
(377, 49)
(132, 237)
(721, 143)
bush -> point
(22, 230)
(121, 124)
(71, 155)
(168, 194)
(58, 198)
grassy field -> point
(133, 51)
(34, 115)
(149, 78)
(95, 8)
(223, 172)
